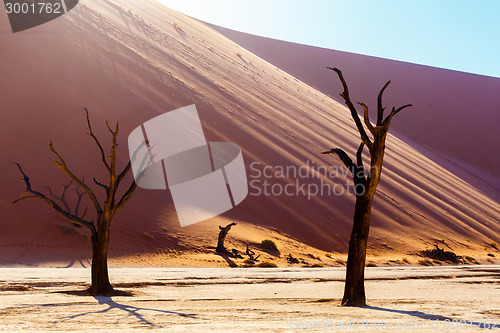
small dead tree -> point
(251, 254)
(222, 237)
(365, 185)
(99, 226)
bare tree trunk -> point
(354, 292)
(222, 237)
(100, 278)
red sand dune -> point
(131, 61)
(454, 114)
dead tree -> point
(251, 254)
(365, 185)
(440, 254)
(291, 259)
(99, 225)
(222, 236)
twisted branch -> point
(62, 165)
(92, 135)
(380, 109)
(38, 195)
(367, 119)
(357, 170)
(394, 112)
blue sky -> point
(454, 34)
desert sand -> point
(250, 300)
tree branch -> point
(78, 202)
(113, 147)
(380, 109)
(123, 173)
(63, 201)
(359, 155)
(113, 184)
(37, 195)
(91, 134)
(101, 184)
(360, 170)
(227, 226)
(357, 170)
(128, 167)
(126, 196)
(344, 158)
(62, 198)
(62, 165)
(367, 119)
(354, 113)
(394, 112)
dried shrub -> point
(267, 264)
(269, 245)
(249, 263)
(317, 265)
(425, 262)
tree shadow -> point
(129, 309)
(427, 316)
(227, 258)
(86, 292)
(73, 261)
(274, 253)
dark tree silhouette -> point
(222, 237)
(251, 254)
(99, 226)
(365, 185)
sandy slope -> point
(250, 300)
(131, 61)
(454, 113)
